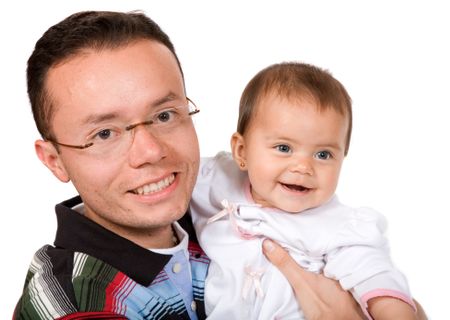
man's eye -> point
(323, 155)
(283, 148)
(165, 116)
(104, 134)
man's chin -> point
(161, 214)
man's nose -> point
(146, 147)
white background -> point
(392, 56)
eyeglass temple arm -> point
(84, 146)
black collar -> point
(78, 233)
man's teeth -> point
(154, 187)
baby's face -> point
(293, 153)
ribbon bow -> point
(231, 210)
(228, 209)
(252, 277)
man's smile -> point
(155, 186)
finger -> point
(420, 311)
(284, 262)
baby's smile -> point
(295, 187)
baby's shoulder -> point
(219, 169)
(222, 161)
(356, 225)
(337, 211)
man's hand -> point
(320, 298)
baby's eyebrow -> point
(335, 146)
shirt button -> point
(176, 267)
(193, 306)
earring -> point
(242, 165)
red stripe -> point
(111, 292)
(93, 315)
(196, 253)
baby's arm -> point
(321, 298)
(381, 308)
(360, 261)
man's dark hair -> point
(96, 30)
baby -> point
(279, 182)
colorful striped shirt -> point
(92, 273)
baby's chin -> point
(299, 206)
(296, 209)
(287, 208)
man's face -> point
(148, 185)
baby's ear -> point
(51, 158)
(238, 150)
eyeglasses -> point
(116, 139)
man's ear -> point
(238, 150)
(51, 158)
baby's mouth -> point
(296, 187)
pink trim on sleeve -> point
(384, 293)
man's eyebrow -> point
(99, 118)
(167, 98)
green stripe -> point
(91, 283)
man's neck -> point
(154, 238)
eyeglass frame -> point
(127, 128)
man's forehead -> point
(92, 89)
(122, 113)
(142, 52)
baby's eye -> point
(323, 155)
(283, 148)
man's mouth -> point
(296, 187)
(155, 186)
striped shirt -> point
(91, 272)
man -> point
(108, 97)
